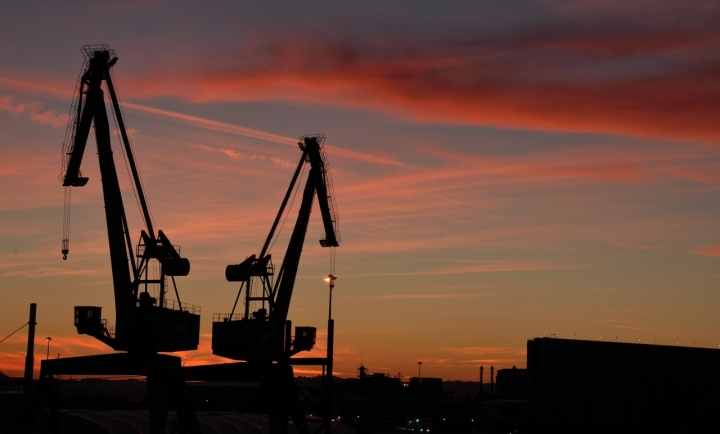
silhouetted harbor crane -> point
(261, 336)
(145, 324)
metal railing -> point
(187, 307)
(108, 328)
(226, 317)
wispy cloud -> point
(712, 250)
(237, 155)
(631, 328)
(33, 110)
(199, 122)
(490, 266)
(256, 134)
(426, 296)
(213, 125)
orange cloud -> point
(712, 250)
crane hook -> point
(65, 253)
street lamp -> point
(48, 339)
(330, 279)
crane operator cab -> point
(253, 335)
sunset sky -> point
(502, 170)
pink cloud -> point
(712, 250)
(32, 110)
(483, 81)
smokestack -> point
(30, 357)
(481, 381)
(492, 381)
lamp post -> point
(48, 339)
(330, 279)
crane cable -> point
(14, 332)
(68, 143)
(287, 213)
(66, 222)
(127, 167)
(332, 260)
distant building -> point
(374, 383)
(426, 386)
(511, 384)
(609, 387)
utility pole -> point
(30, 357)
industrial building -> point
(615, 387)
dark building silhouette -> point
(511, 384)
(426, 386)
(603, 387)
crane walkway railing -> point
(107, 327)
(186, 307)
(226, 317)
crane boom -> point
(316, 183)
